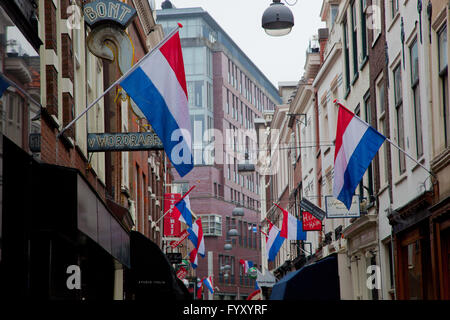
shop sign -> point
(127, 141)
(182, 236)
(310, 223)
(312, 209)
(174, 258)
(181, 273)
(107, 11)
(172, 226)
(336, 209)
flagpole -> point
(392, 143)
(184, 196)
(120, 79)
(409, 156)
(279, 207)
(12, 83)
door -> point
(445, 252)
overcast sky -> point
(279, 58)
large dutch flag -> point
(196, 237)
(356, 145)
(274, 242)
(158, 86)
(291, 227)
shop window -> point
(416, 97)
(443, 76)
(398, 99)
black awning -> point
(70, 205)
(318, 281)
(151, 275)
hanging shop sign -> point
(336, 209)
(172, 226)
(310, 223)
(310, 207)
(108, 11)
(182, 236)
(181, 273)
(127, 141)
(174, 257)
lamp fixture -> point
(278, 20)
(233, 233)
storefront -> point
(56, 232)
(413, 250)
(440, 221)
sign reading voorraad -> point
(107, 11)
(174, 258)
(336, 209)
(127, 141)
(312, 209)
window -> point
(368, 113)
(209, 96)
(382, 128)
(416, 97)
(229, 71)
(347, 57)
(443, 75)
(398, 99)
(354, 39)
(195, 93)
(212, 225)
(228, 101)
(363, 28)
(334, 8)
(394, 7)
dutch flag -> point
(246, 264)
(196, 237)
(208, 282)
(291, 228)
(158, 87)
(274, 242)
(183, 212)
(356, 145)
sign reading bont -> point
(336, 209)
(102, 11)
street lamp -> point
(277, 20)
(238, 212)
(233, 233)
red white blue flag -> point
(246, 264)
(183, 212)
(291, 227)
(208, 282)
(158, 87)
(274, 242)
(356, 145)
(196, 237)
